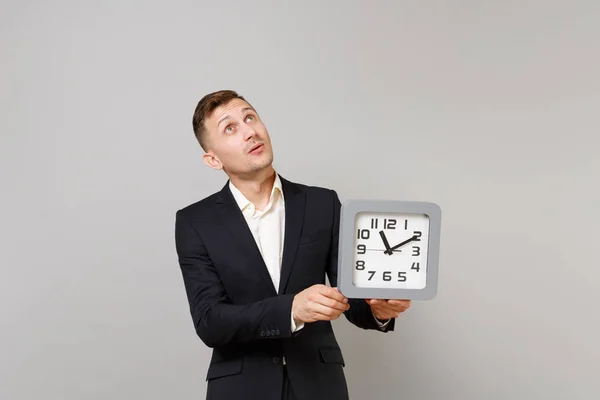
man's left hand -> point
(386, 309)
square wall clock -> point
(389, 249)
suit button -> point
(275, 360)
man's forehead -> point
(231, 107)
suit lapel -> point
(294, 217)
(234, 220)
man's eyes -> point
(230, 128)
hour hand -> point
(386, 243)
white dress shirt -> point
(268, 228)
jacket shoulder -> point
(318, 195)
(199, 207)
(321, 192)
(314, 189)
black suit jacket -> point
(237, 311)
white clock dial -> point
(390, 250)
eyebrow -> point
(228, 116)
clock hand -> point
(390, 250)
(385, 242)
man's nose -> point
(249, 131)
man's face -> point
(238, 141)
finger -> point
(401, 308)
(387, 311)
(333, 293)
(393, 309)
(384, 315)
(398, 305)
(403, 303)
(326, 291)
(324, 313)
(331, 303)
(388, 315)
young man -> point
(254, 257)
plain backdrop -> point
(488, 108)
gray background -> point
(489, 109)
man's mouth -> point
(255, 148)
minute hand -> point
(389, 251)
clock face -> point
(390, 250)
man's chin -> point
(263, 162)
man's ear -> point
(212, 161)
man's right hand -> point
(319, 303)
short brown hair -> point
(204, 109)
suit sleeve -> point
(360, 313)
(217, 321)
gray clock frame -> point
(346, 250)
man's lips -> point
(255, 147)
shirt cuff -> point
(379, 323)
(294, 327)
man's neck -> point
(258, 188)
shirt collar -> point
(243, 202)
